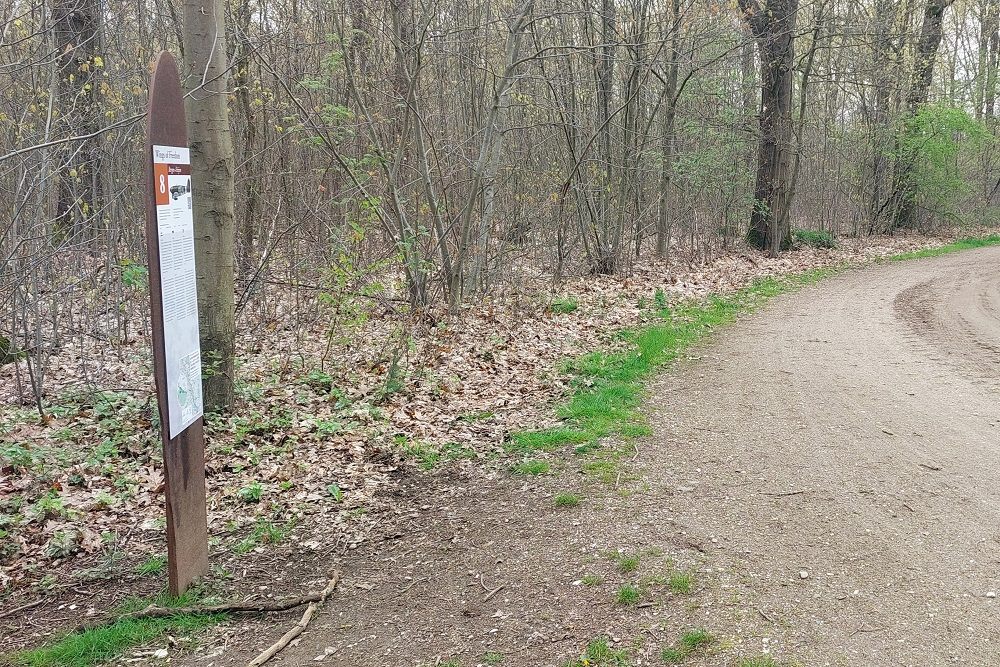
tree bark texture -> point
(206, 81)
(76, 35)
(773, 25)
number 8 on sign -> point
(162, 190)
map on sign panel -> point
(175, 226)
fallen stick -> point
(230, 608)
(23, 607)
(299, 627)
(494, 592)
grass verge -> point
(961, 244)
(112, 641)
(609, 387)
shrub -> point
(814, 238)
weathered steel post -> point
(174, 317)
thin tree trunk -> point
(607, 247)
(992, 36)
(664, 217)
(807, 70)
(76, 30)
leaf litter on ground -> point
(318, 408)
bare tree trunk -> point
(664, 217)
(242, 13)
(210, 136)
(773, 24)
(807, 69)
(607, 250)
(76, 32)
(991, 36)
(881, 139)
(405, 80)
(484, 168)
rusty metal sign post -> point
(174, 317)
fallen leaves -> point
(319, 411)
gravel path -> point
(827, 470)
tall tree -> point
(669, 138)
(881, 134)
(773, 25)
(609, 235)
(206, 81)
(903, 201)
(76, 32)
(989, 56)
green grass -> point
(814, 238)
(428, 456)
(604, 467)
(532, 467)
(681, 583)
(627, 562)
(264, 532)
(109, 642)
(695, 639)
(608, 388)
(689, 642)
(153, 565)
(564, 305)
(493, 657)
(600, 654)
(567, 500)
(760, 661)
(592, 580)
(545, 440)
(672, 655)
(962, 244)
(251, 493)
(628, 594)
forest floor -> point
(816, 489)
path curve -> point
(872, 402)
(827, 468)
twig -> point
(404, 590)
(766, 617)
(784, 494)
(299, 627)
(490, 593)
(234, 608)
(23, 607)
(494, 592)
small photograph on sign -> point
(175, 227)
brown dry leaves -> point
(319, 428)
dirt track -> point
(828, 468)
